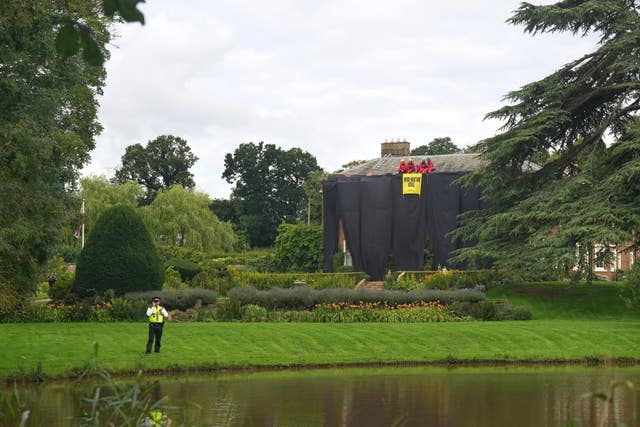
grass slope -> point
(64, 347)
(563, 300)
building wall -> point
(623, 260)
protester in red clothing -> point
(411, 167)
(403, 167)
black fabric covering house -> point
(378, 220)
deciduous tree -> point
(164, 162)
(48, 124)
(268, 187)
(442, 145)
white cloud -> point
(335, 78)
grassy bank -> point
(563, 300)
(62, 348)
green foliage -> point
(127, 310)
(99, 194)
(181, 217)
(287, 280)
(254, 313)
(349, 165)
(213, 276)
(172, 279)
(187, 269)
(255, 260)
(178, 299)
(299, 247)
(48, 121)
(10, 301)
(312, 206)
(268, 188)
(484, 310)
(163, 163)
(587, 192)
(229, 311)
(75, 33)
(442, 279)
(64, 275)
(442, 145)
(302, 297)
(125, 403)
(427, 313)
(522, 313)
(631, 291)
(118, 255)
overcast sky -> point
(334, 77)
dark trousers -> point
(155, 332)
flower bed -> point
(303, 297)
(343, 312)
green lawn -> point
(596, 301)
(64, 346)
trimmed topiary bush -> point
(119, 255)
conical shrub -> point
(119, 255)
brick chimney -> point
(395, 148)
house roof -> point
(443, 163)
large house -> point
(368, 216)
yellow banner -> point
(411, 183)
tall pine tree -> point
(585, 116)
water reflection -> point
(376, 397)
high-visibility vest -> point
(156, 315)
(156, 418)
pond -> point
(400, 396)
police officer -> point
(157, 315)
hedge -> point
(287, 280)
(442, 279)
(180, 299)
(303, 297)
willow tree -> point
(584, 117)
(181, 217)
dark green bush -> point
(215, 276)
(298, 247)
(181, 252)
(337, 261)
(484, 310)
(229, 311)
(176, 299)
(262, 264)
(631, 291)
(187, 269)
(521, 313)
(60, 290)
(303, 297)
(460, 308)
(445, 279)
(129, 310)
(119, 255)
(254, 313)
